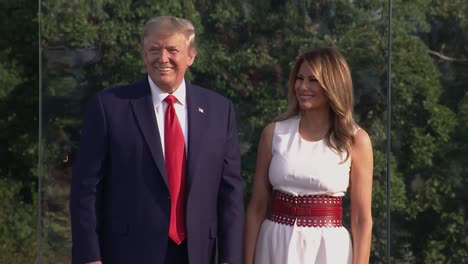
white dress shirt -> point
(160, 107)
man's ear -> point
(192, 54)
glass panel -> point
(430, 102)
(245, 52)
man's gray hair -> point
(170, 25)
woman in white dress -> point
(306, 161)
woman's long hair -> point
(332, 72)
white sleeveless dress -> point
(301, 167)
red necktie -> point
(174, 148)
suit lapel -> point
(144, 112)
(196, 120)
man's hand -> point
(95, 262)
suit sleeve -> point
(230, 199)
(84, 195)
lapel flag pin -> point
(200, 110)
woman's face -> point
(310, 95)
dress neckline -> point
(303, 139)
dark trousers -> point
(176, 254)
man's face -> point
(167, 57)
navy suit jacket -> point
(119, 202)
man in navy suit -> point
(123, 205)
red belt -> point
(308, 210)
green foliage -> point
(9, 79)
(18, 131)
(18, 222)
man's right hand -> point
(95, 262)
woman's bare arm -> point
(261, 191)
(361, 195)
